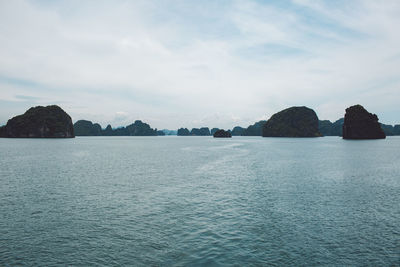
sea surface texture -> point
(199, 201)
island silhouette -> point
(53, 122)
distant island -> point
(327, 128)
(53, 122)
(204, 131)
(255, 129)
(222, 134)
(138, 128)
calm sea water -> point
(199, 201)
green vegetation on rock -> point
(292, 122)
(38, 122)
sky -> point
(191, 64)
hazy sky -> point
(199, 63)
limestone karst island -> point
(54, 122)
(40, 122)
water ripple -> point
(199, 202)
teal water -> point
(199, 201)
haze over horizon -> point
(190, 64)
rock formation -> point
(170, 132)
(387, 129)
(37, 122)
(360, 124)
(327, 128)
(138, 128)
(237, 131)
(87, 128)
(255, 129)
(222, 134)
(396, 129)
(160, 133)
(3, 131)
(292, 122)
(214, 130)
(183, 132)
(204, 131)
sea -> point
(199, 201)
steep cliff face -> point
(360, 124)
(292, 122)
(37, 122)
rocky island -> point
(40, 122)
(183, 132)
(237, 131)
(87, 128)
(292, 122)
(328, 128)
(255, 129)
(138, 128)
(203, 131)
(360, 124)
(222, 134)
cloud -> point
(175, 64)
